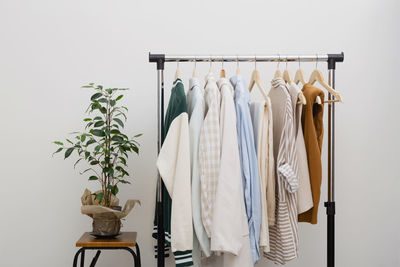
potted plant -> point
(105, 148)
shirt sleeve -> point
(287, 167)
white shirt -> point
(195, 102)
(304, 195)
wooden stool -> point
(124, 241)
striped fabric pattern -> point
(284, 234)
(209, 152)
(183, 258)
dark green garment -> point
(176, 106)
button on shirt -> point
(248, 158)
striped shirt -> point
(283, 235)
(209, 152)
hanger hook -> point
(195, 62)
(210, 62)
(286, 61)
(255, 61)
(222, 62)
(237, 61)
(177, 64)
(279, 60)
(316, 62)
(299, 62)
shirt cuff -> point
(290, 179)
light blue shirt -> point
(248, 161)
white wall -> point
(48, 49)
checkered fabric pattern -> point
(209, 153)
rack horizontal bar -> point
(247, 58)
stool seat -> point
(125, 239)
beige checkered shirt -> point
(209, 152)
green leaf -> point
(117, 138)
(136, 149)
(115, 131)
(103, 100)
(58, 150)
(83, 137)
(58, 143)
(91, 141)
(87, 154)
(99, 123)
(99, 133)
(69, 141)
(97, 148)
(95, 105)
(119, 122)
(112, 102)
(124, 181)
(77, 162)
(89, 124)
(95, 96)
(109, 91)
(123, 160)
(94, 162)
(93, 177)
(119, 97)
(121, 114)
(138, 135)
(103, 110)
(97, 118)
(87, 119)
(99, 196)
(68, 152)
(114, 190)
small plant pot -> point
(106, 225)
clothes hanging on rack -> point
(283, 235)
(248, 158)
(230, 233)
(195, 101)
(312, 123)
(209, 152)
(261, 115)
(304, 196)
(174, 167)
(284, 172)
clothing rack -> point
(331, 59)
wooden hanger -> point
(300, 77)
(237, 66)
(278, 73)
(287, 77)
(195, 74)
(255, 79)
(223, 74)
(316, 76)
(177, 72)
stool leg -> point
(83, 258)
(96, 257)
(135, 259)
(75, 263)
(138, 255)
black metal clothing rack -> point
(331, 60)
